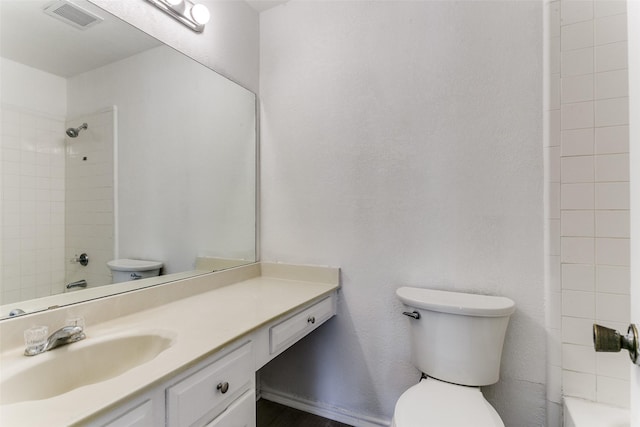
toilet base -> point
(440, 404)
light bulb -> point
(200, 14)
(177, 5)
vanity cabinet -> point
(202, 396)
(146, 410)
(220, 391)
(140, 416)
(209, 336)
(279, 335)
(287, 332)
(241, 413)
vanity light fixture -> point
(193, 15)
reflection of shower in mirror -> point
(74, 132)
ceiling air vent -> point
(72, 14)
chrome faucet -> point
(78, 284)
(63, 336)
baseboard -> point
(323, 410)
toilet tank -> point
(459, 336)
(124, 270)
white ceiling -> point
(262, 5)
(29, 36)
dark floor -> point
(272, 414)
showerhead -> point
(75, 132)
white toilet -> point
(456, 341)
(123, 270)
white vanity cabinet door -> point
(140, 416)
(292, 329)
(203, 395)
(241, 413)
(146, 410)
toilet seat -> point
(434, 403)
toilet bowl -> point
(123, 270)
(456, 342)
(437, 403)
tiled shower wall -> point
(588, 181)
(32, 187)
(90, 220)
(33, 198)
(56, 195)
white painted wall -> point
(194, 173)
(33, 89)
(229, 43)
(401, 141)
(33, 107)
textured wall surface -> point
(401, 141)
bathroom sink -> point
(79, 364)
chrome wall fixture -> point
(193, 15)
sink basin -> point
(86, 362)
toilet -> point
(123, 270)
(456, 342)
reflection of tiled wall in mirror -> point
(33, 184)
(90, 198)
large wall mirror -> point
(118, 147)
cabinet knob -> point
(223, 387)
(311, 320)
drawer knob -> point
(223, 387)
(311, 320)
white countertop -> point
(203, 323)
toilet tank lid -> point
(456, 302)
(133, 265)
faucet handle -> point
(83, 259)
(35, 339)
(75, 321)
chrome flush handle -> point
(413, 314)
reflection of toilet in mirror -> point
(124, 270)
(456, 341)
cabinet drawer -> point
(241, 413)
(203, 395)
(287, 332)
